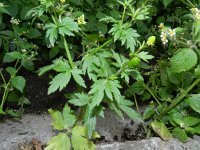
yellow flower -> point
(81, 20)
(1, 5)
(62, 1)
(151, 41)
(194, 10)
(161, 26)
(197, 16)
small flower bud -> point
(151, 41)
(62, 1)
(23, 50)
(1, 5)
(81, 20)
(161, 26)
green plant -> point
(17, 53)
(107, 51)
(15, 81)
(104, 65)
(75, 136)
(180, 75)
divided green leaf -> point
(63, 120)
(145, 56)
(79, 99)
(59, 82)
(79, 139)
(76, 73)
(59, 142)
(125, 34)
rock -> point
(17, 132)
(112, 128)
(152, 144)
(13, 132)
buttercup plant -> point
(104, 66)
(114, 55)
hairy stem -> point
(102, 46)
(178, 99)
(68, 53)
(124, 12)
(149, 90)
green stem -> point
(138, 110)
(178, 99)
(102, 46)
(16, 63)
(136, 104)
(2, 77)
(124, 12)
(5, 94)
(190, 3)
(120, 70)
(54, 20)
(68, 53)
(153, 95)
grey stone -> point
(30, 126)
(39, 126)
(112, 126)
(152, 144)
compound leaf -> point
(52, 33)
(59, 82)
(59, 142)
(76, 75)
(145, 56)
(79, 99)
(62, 120)
(79, 139)
(67, 26)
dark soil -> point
(36, 92)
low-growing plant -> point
(106, 68)
(114, 53)
(73, 135)
(15, 84)
(176, 82)
(17, 53)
